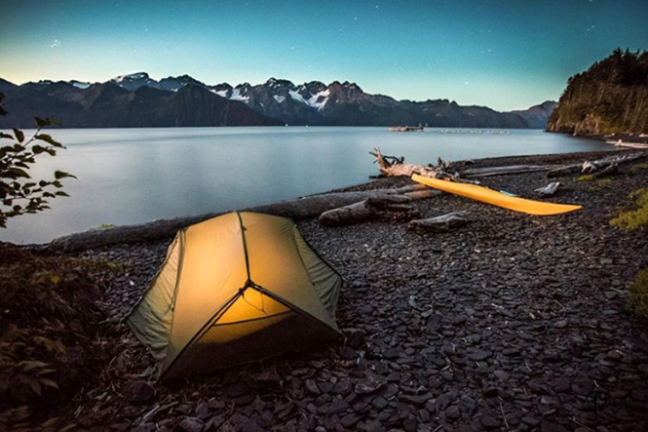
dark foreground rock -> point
(510, 323)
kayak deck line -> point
(490, 196)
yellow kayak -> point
(499, 199)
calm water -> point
(128, 176)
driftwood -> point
(565, 170)
(549, 190)
(303, 208)
(441, 223)
(632, 145)
(391, 166)
(393, 206)
(609, 170)
(591, 167)
(506, 170)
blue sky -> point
(507, 54)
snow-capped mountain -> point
(316, 103)
(132, 82)
(176, 83)
(346, 104)
(109, 105)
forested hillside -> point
(611, 97)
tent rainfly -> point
(236, 288)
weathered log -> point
(590, 167)
(441, 223)
(374, 208)
(565, 170)
(549, 190)
(298, 209)
(609, 170)
(598, 165)
(391, 166)
(385, 201)
(506, 170)
(348, 215)
(632, 145)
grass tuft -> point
(639, 167)
(637, 302)
(634, 216)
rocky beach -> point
(511, 322)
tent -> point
(233, 289)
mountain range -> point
(137, 100)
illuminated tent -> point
(233, 289)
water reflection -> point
(128, 176)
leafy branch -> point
(19, 193)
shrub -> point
(637, 302)
(634, 216)
(48, 325)
(19, 193)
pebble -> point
(532, 321)
(138, 392)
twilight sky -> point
(506, 54)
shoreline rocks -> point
(511, 322)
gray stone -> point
(138, 392)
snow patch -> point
(135, 76)
(221, 93)
(236, 95)
(279, 99)
(81, 85)
(296, 96)
(317, 101)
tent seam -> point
(245, 250)
(293, 307)
(253, 319)
(203, 330)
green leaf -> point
(49, 383)
(31, 364)
(37, 149)
(61, 193)
(42, 122)
(62, 174)
(20, 137)
(35, 386)
(17, 172)
(4, 135)
(48, 139)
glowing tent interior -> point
(233, 289)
